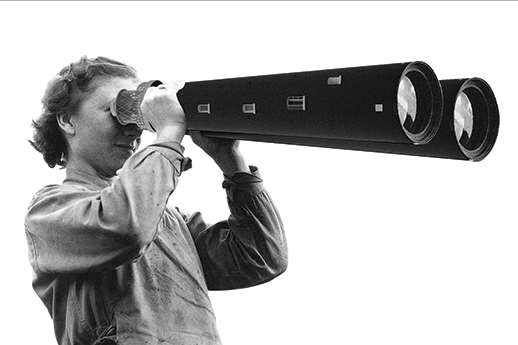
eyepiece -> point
(419, 102)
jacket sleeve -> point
(73, 229)
(247, 249)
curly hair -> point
(63, 95)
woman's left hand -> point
(225, 152)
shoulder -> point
(61, 192)
(43, 192)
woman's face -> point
(100, 145)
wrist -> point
(170, 133)
(232, 163)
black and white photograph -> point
(263, 172)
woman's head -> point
(63, 98)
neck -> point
(81, 165)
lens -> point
(406, 100)
(463, 118)
(475, 119)
(414, 102)
(419, 102)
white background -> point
(384, 249)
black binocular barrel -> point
(468, 129)
(393, 103)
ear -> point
(66, 123)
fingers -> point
(196, 136)
(170, 88)
(174, 85)
(162, 111)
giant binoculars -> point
(397, 108)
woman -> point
(113, 263)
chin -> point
(115, 166)
(118, 160)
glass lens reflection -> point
(463, 116)
(406, 100)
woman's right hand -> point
(163, 112)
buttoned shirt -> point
(113, 260)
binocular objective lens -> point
(471, 119)
(406, 100)
(414, 105)
(463, 118)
